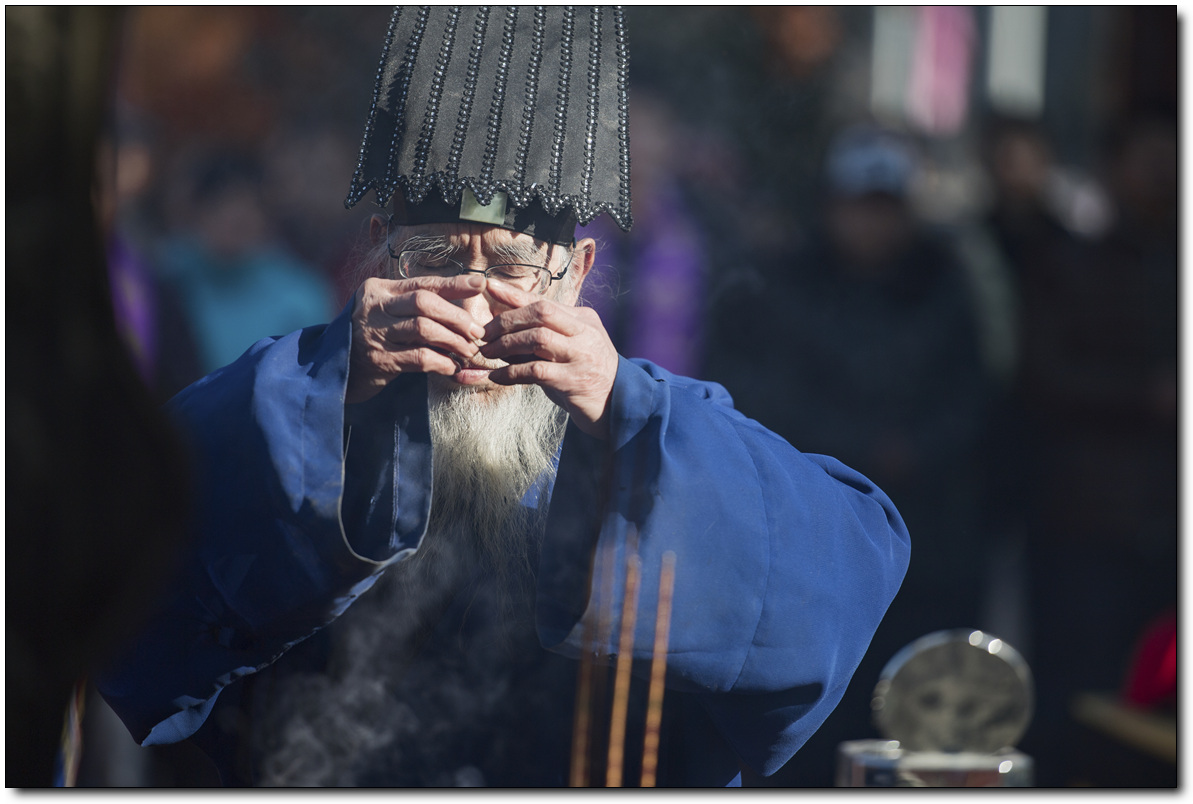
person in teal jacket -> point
(414, 525)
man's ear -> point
(378, 225)
(583, 258)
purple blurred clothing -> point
(134, 302)
(662, 263)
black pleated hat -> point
(515, 116)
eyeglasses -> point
(414, 263)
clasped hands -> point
(422, 325)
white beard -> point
(489, 449)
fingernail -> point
(477, 331)
(476, 281)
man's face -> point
(478, 246)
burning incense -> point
(591, 686)
(625, 659)
(658, 671)
(578, 776)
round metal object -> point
(957, 690)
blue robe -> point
(785, 563)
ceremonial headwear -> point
(516, 117)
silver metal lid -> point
(956, 690)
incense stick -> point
(578, 777)
(589, 686)
(621, 689)
(658, 671)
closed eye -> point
(433, 263)
(513, 271)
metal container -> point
(951, 706)
(882, 763)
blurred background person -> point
(650, 282)
(867, 346)
(304, 165)
(237, 281)
(1098, 392)
(149, 315)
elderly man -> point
(419, 527)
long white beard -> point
(489, 449)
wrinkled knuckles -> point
(423, 300)
(426, 357)
(546, 312)
(545, 342)
(424, 328)
(589, 316)
(373, 290)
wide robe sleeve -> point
(785, 562)
(270, 563)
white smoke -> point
(384, 713)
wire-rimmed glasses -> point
(416, 262)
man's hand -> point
(576, 362)
(409, 325)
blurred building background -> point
(937, 242)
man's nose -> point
(482, 307)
